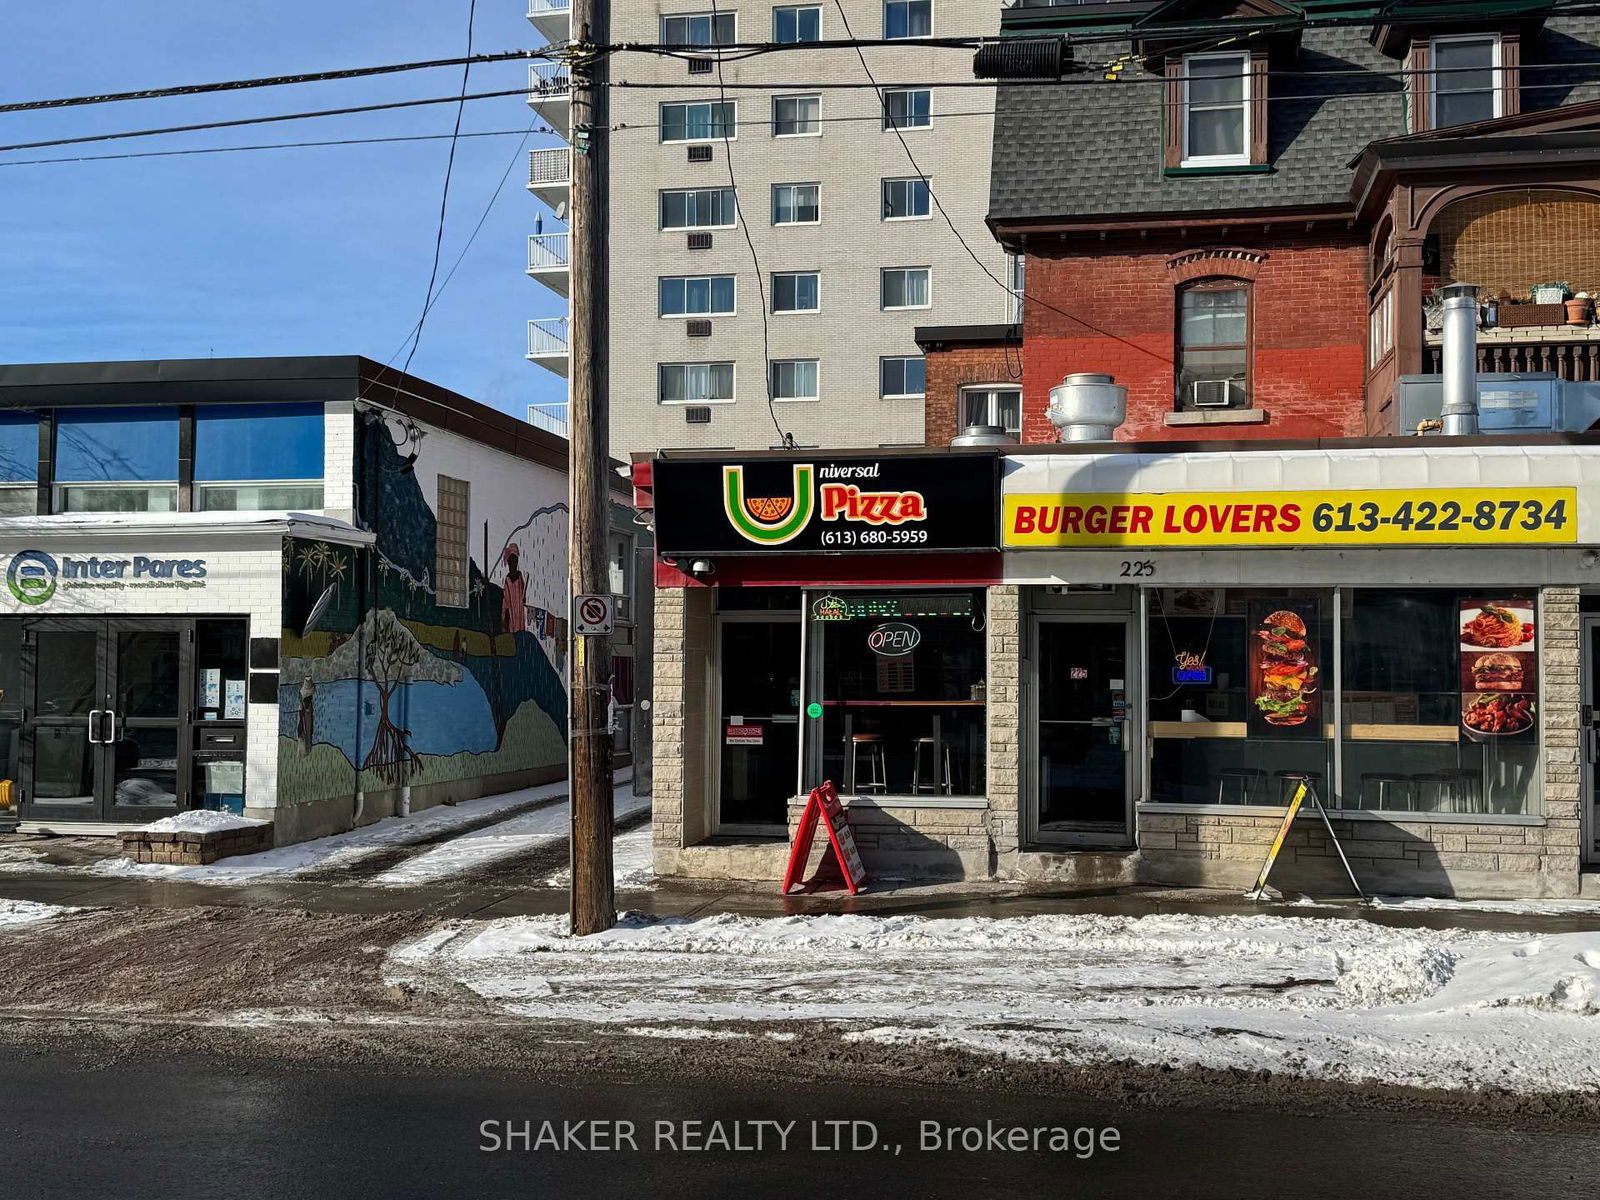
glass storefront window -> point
(899, 684)
(1436, 695)
(117, 459)
(1417, 736)
(1239, 694)
(10, 713)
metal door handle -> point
(111, 728)
(94, 716)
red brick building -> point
(1245, 225)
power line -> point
(235, 85)
(785, 438)
(524, 134)
(444, 197)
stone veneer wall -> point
(1410, 856)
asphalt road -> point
(176, 1132)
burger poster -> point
(1285, 678)
(1499, 669)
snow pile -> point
(1520, 908)
(1333, 999)
(202, 820)
(26, 912)
(632, 862)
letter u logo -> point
(768, 520)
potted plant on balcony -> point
(1550, 293)
(1580, 309)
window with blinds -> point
(452, 542)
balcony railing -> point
(1577, 359)
(541, 8)
(547, 338)
(548, 252)
(549, 168)
(548, 81)
(552, 417)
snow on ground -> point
(1525, 908)
(202, 821)
(484, 847)
(337, 850)
(26, 912)
(1329, 999)
(632, 864)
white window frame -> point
(664, 192)
(696, 316)
(883, 395)
(772, 364)
(731, 136)
(889, 124)
(817, 120)
(883, 198)
(1219, 160)
(884, 272)
(772, 206)
(1497, 89)
(733, 386)
(794, 312)
(239, 485)
(689, 16)
(795, 8)
(989, 389)
(909, 37)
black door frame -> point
(104, 723)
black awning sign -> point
(920, 502)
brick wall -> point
(1509, 241)
(950, 370)
(1118, 316)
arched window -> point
(1213, 344)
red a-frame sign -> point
(823, 804)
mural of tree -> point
(391, 658)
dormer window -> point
(1465, 79)
(1216, 110)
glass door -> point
(1082, 775)
(106, 729)
(758, 727)
(148, 725)
(65, 730)
(11, 710)
(1590, 808)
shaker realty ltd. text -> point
(826, 1136)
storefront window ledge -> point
(1218, 416)
(904, 801)
(1343, 814)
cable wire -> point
(785, 438)
(444, 197)
(524, 134)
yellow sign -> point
(1469, 516)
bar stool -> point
(1432, 792)
(918, 746)
(1237, 785)
(1381, 790)
(876, 778)
(1289, 780)
(1464, 790)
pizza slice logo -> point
(769, 520)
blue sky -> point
(304, 251)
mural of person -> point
(514, 592)
(307, 725)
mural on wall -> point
(381, 685)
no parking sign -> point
(593, 615)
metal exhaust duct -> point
(1460, 356)
(1088, 407)
(983, 435)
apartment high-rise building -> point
(776, 235)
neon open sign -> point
(894, 639)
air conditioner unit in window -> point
(700, 153)
(1211, 393)
(699, 328)
(697, 414)
(699, 241)
(700, 66)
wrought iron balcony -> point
(547, 344)
(550, 93)
(553, 18)
(550, 173)
(548, 261)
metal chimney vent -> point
(1088, 407)
(697, 414)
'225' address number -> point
(1137, 568)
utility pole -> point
(593, 898)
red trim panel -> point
(824, 570)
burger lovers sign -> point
(826, 505)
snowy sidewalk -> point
(1345, 1000)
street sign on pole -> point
(593, 614)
